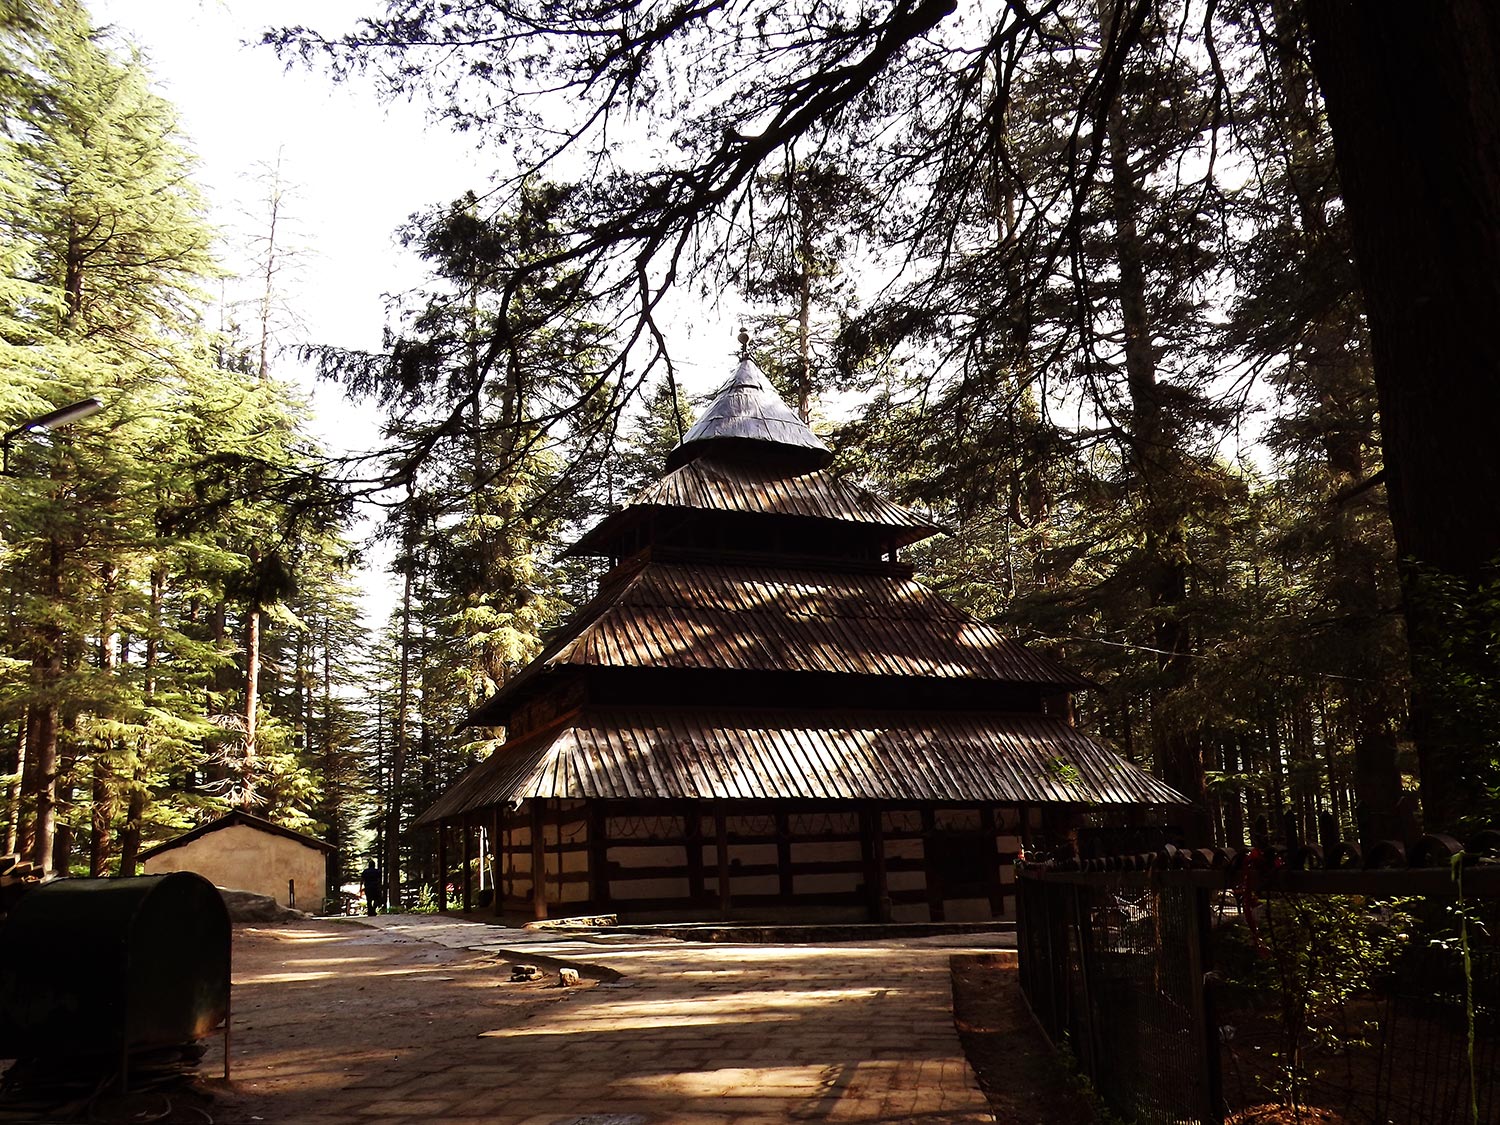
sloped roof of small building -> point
(747, 410)
(229, 820)
(710, 483)
(778, 753)
(770, 619)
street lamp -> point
(52, 420)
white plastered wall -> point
(242, 858)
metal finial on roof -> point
(744, 344)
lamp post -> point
(52, 420)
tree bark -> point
(1413, 99)
(13, 797)
(399, 744)
(41, 753)
(135, 808)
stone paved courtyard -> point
(414, 1019)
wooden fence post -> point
(1205, 1025)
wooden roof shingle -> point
(712, 484)
(771, 619)
(680, 753)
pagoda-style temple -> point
(762, 715)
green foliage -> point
(138, 545)
(1456, 651)
(1317, 955)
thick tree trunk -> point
(130, 831)
(1375, 699)
(1413, 100)
(101, 816)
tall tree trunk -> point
(804, 204)
(252, 705)
(1414, 106)
(1374, 699)
(101, 795)
(399, 747)
(333, 780)
(62, 835)
(1153, 457)
(101, 815)
(41, 753)
(130, 831)
(13, 797)
(135, 811)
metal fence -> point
(1223, 986)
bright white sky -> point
(357, 170)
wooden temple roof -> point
(715, 484)
(769, 619)
(682, 753)
(727, 655)
(748, 411)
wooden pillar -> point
(442, 871)
(598, 858)
(721, 842)
(497, 857)
(872, 839)
(784, 853)
(465, 884)
(506, 865)
(992, 882)
(538, 860)
(692, 835)
(558, 841)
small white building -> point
(242, 852)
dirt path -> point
(335, 1022)
(329, 1017)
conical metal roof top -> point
(750, 418)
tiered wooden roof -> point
(747, 754)
(757, 639)
(713, 484)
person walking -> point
(370, 878)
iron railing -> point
(1212, 985)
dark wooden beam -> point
(442, 871)
(467, 829)
(496, 863)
